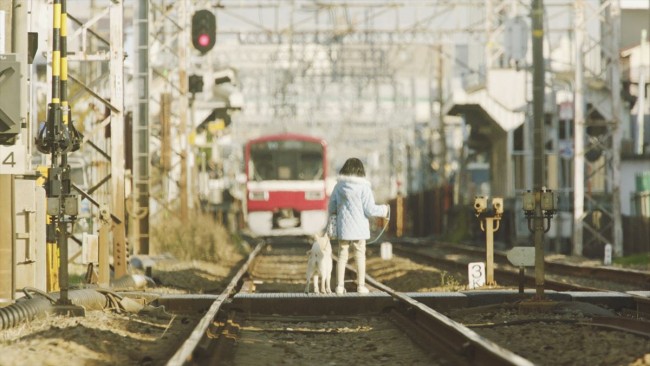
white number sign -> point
(12, 159)
(476, 274)
(386, 251)
(608, 255)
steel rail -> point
(642, 302)
(460, 339)
(185, 352)
(618, 276)
(511, 275)
(429, 328)
(621, 275)
(425, 325)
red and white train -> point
(286, 185)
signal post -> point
(488, 226)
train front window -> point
(286, 160)
(311, 166)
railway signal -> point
(196, 84)
(539, 205)
(204, 30)
(488, 226)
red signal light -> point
(204, 30)
(204, 40)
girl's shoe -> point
(362, 290)
(340, 290)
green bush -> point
(638, 261)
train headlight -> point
(314, 195)
(258, 196)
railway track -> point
(560, 276)
(296, 315)
(639, 280)
(263, 316)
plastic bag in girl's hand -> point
(331, 227)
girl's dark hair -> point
(354, 167)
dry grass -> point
(202, 238)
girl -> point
(353, 203)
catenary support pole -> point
(538, 141)
(578, 131)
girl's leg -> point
(340, 266)
(360, 256)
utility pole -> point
(541, 204)
(578, 131)
(183, 110)
(538, 143)
(640, 115)
(120, 249)
(441, 119)
(614, 76)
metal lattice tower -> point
(171, 58)
(141, 130)
(597, 206)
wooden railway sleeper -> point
(221, 336)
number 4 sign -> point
(12, 159)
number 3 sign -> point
(12, 159)
(476, 274)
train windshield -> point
(286, 160)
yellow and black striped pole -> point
(63, 44)
(65, 147)
(71, 135)
(56, 54)
(52, 128)
(59, 144)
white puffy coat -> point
(353, 202)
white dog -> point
(320, 262)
